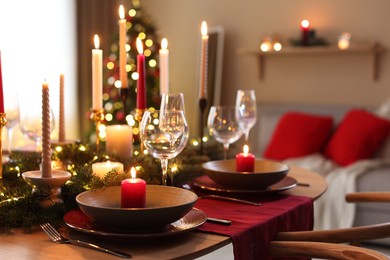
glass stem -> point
(9, 135)
(38, 144)
(164, 167)
(246, 136)
(225, 150)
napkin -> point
(254, 227)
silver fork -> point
(55, 236)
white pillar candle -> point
(100, 169)
(61, 131)
(119, 140)
(122, 48)
(164, 67)
(97, 75)
(203, 62)
(46, 149)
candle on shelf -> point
(203, 62)
(343, 41)
(245, 162)
(266, 44)
(305, 32)
(100, 169)
(61, 131)
(119, 140)
(122, 48)
(133, 192)
(164, 67)
(141, 82)
(46, 149)
(97, 75)
(1, 89)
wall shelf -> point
(374, 50)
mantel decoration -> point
(308, 37)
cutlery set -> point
(56, 237)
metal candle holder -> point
(139, 113)
(124, 92)
(97, 116)
(202, 106)
(3, 122)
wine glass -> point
(172, 101)
(223, 126)
(11, 106)
(164, 134)
(246, 110)
(31, 122)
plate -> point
(204, 182)
(265, 174)
(77, 220)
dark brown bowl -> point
(164, 205)
(266, 173)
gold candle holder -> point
(97, 116)
(3, 122)
(139, 113)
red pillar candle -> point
(1, 90)
(245, 162)
(141, 83)
(305, 32)
(133, 192)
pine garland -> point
(20, 207)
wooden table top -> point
(19, 245)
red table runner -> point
(254, 227)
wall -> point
(325, 79)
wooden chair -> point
(331, 244)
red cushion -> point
(359, 135)
(298, 134)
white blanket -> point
(331, 211)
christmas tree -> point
(138, 25)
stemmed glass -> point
(246, 110)
(164, 134)
(31, 122)
(223, 126)
(12, 115)
(172, 101)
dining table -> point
(194, 244)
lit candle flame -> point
(164, 43)
(305, 24)
(121, 12)
(133, 173)
(97, 41)
(203, 29)
(140, 47)
(246, 149)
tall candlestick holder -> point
(124, 95)
(139, 113)
(3, 122)
(97, 115)
(202, 106)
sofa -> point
(372, 179)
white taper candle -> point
(46, 149)
(203, 63)
(97, 75)
(61, 131)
